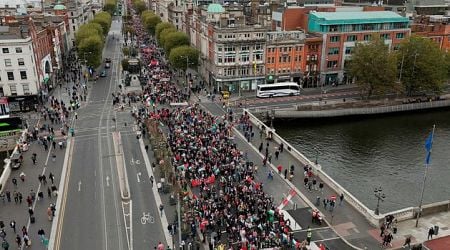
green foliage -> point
(181, 56)
(175, 39)
(164, 34)
(150, 20)
(447, 59)
(139, 6)
(91, 49)
(110, 6)
(88, 30)
(104, 19)
(126, 51)
(423, 66)
(162, 26)
(373, 67)
(125, 64)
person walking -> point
(5, 245)
(430, 233)
(41, 234)
(308, 235)
(341, 199)
(12, 224)
(18, 241)
(407, 242)
(51, 177)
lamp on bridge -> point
(378, 192)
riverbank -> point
(355, 107)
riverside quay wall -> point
(337, 109)
(369, 214)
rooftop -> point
(355, 17)
(358, 15)
(215, 8)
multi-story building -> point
(79, 13)
(232, 53)
(175, 13)
(437, 28)
(342, 30)
(18, 74)
(284, 56)
(312, 55)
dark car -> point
(103, 73)
(107, 60)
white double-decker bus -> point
(278, 89)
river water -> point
(364, 153)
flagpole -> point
(423, 184)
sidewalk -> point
(45, 164)
(19, 212)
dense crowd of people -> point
(226, 197)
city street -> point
(92, 200)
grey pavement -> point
(19, 212)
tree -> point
(110, 6)
(373, 67)
(423, 67)
(150, 20)
(88, 30)
(162, 26)
(175, 39)
(164, 34)
(104, 19)
(183, 56)
(126, 51)
(139, 6)
(125, 64)
(91, 48)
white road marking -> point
(107, 181)
(79, 186)
(138, 177)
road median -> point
(120, 163)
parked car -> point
(103, 73)
(107, 60)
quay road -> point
(306, 96)
(93, 214)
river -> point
(364, 153)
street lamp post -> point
(378, 192)
(317, 154)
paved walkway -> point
(50, 161)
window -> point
(5, 50)
(21, 62)
(333, 51)
(385, 36)
(18, 50)
(349, 50)
(228, 49)
(331, 64)
(8, 63)
(230, 59)
(219, 59)
(257, 47)
(333, 28)
(400, 35)
(10, 76)
(245, 48)
(245, 58)
(26, 88)
(334, 39)
(352, 38)
(13, 89)
(367, 37)
(23, 75)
